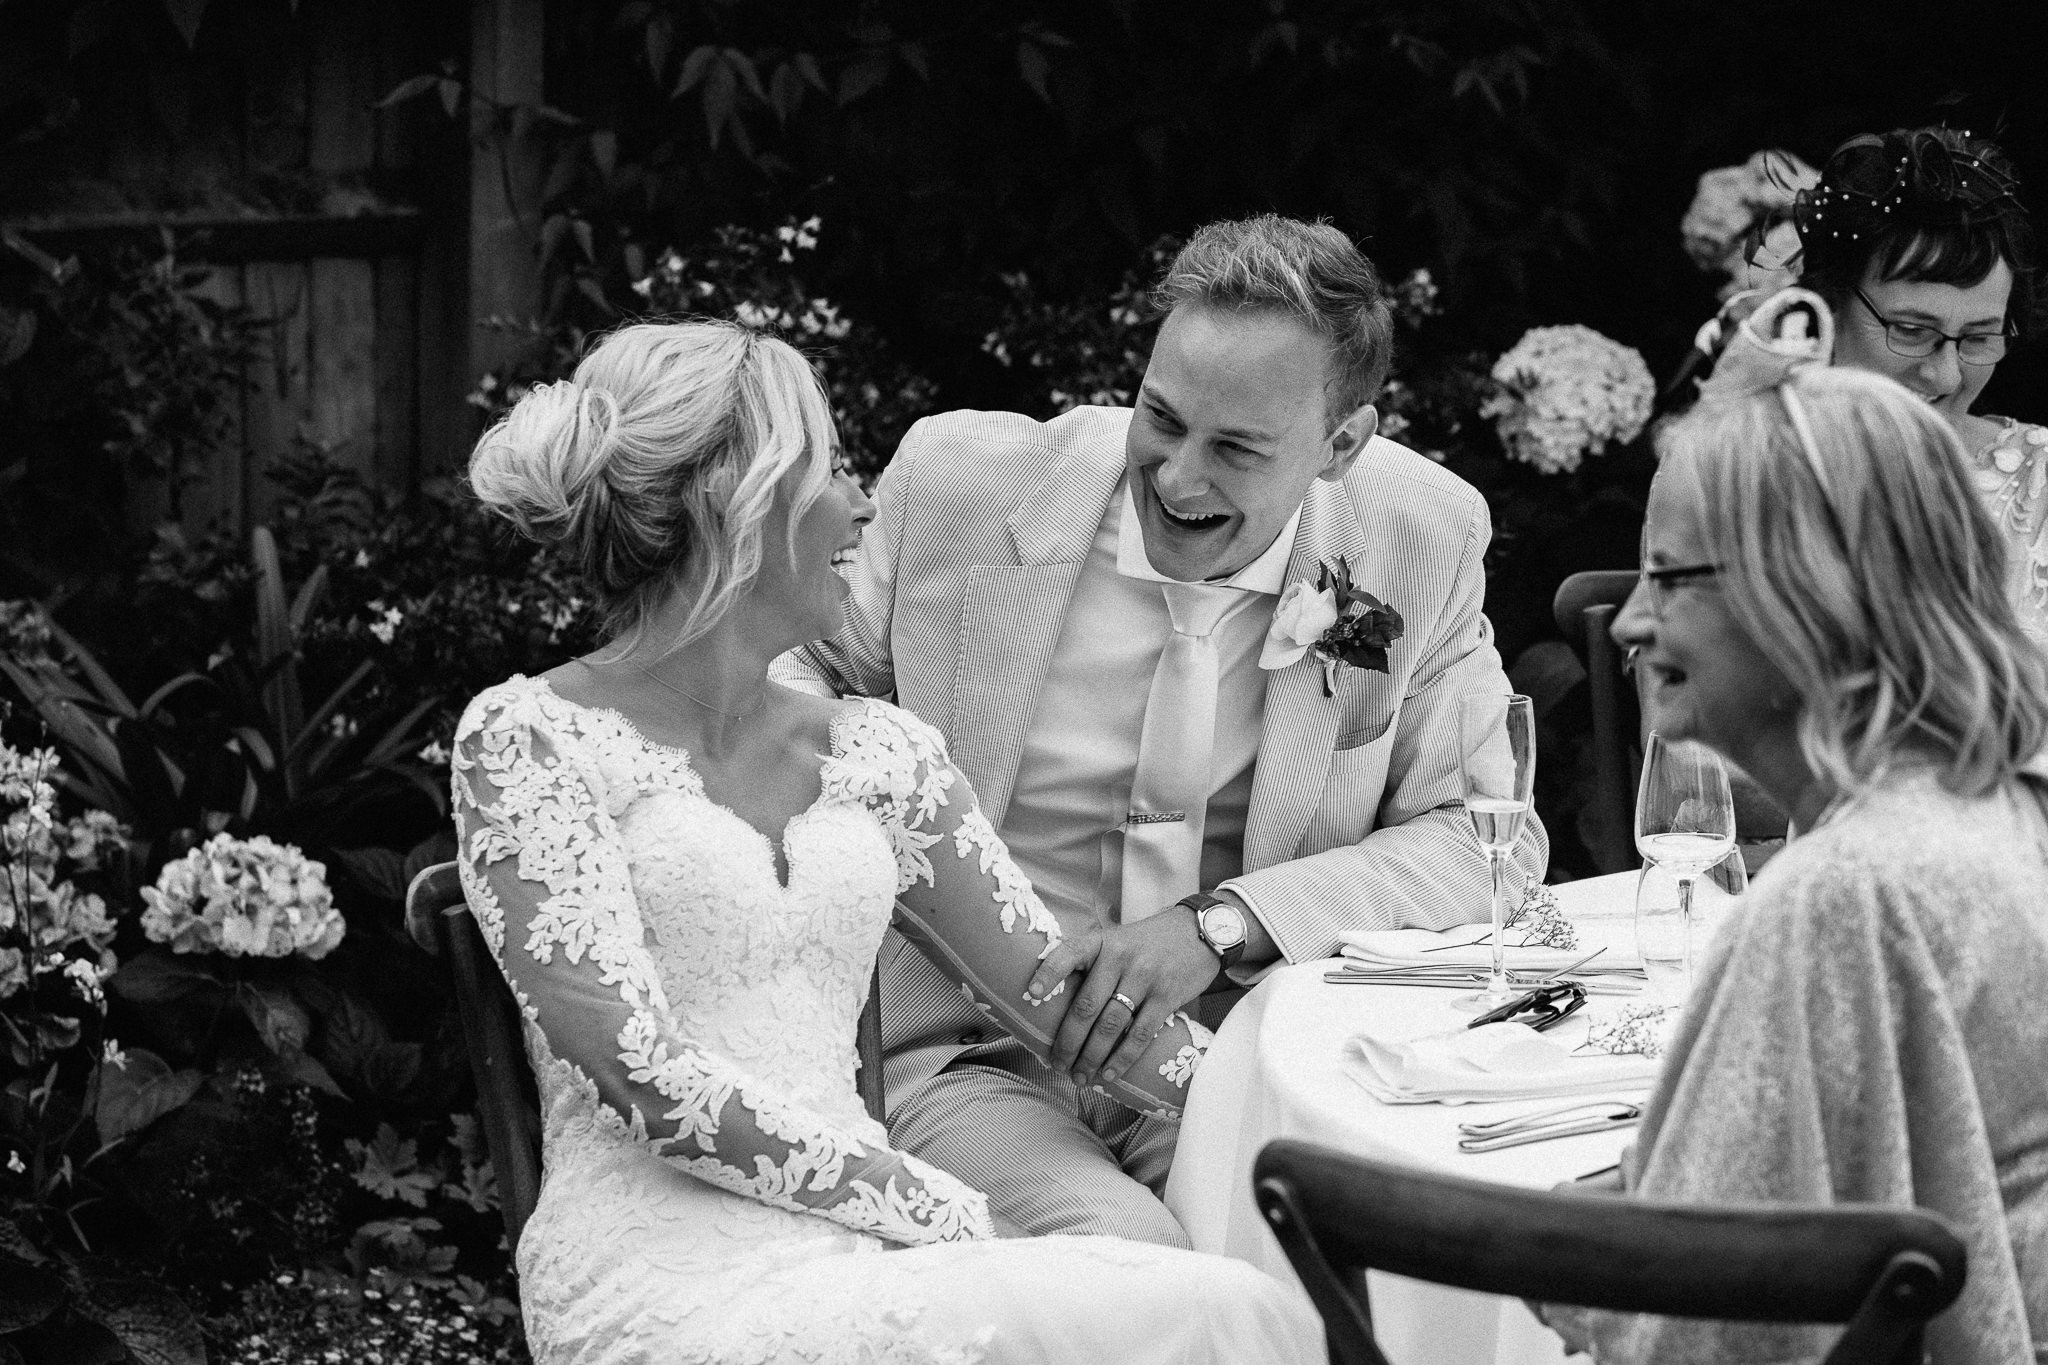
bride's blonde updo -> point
(657, 463)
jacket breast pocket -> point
(1361, 735)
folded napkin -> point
(1453, 948)
(1493, 1062)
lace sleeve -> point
(961, 899)
(546, 877)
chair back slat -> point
(508, 1102)
(1584, 609)
(1757, 1263)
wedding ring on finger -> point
(1125, 1000)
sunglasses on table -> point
(1539, 1009)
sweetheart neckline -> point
(784, 877)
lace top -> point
(706, 1010)
(2012, 475)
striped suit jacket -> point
(1356, 820)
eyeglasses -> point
(1914, 339)
(1539, 1009)
(1659, 583)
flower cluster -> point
(244, 898)
(24, 630)
(1632, 1030)
(48, 924)
(1721, 227)
(1083, 354)
(1541, 923)
(1565, 393)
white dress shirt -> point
(1064, 826)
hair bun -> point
(1792, 328)
(541, 466)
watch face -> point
(1223, 925)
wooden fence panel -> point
(279, 408)
(340, 341)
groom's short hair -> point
(1310, 271)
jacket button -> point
(971, 1037)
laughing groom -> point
(1086, 608)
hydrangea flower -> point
(243, 898)
(1565, 393)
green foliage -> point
(131, 382)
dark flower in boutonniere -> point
(1340, 621)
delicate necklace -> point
(759, 701)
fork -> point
(1526, 1128)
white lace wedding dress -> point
(714, 1189)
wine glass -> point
(1498, 734)
(1662, 931)
(1685, 821)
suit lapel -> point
(1011, 618)
(1300, 723)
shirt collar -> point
(1267, 573)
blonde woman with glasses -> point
(1824, 604)
(685, 872)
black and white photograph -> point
(860, 682)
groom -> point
(1086, 609)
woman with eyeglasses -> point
(1824, 604)
(1919, 242)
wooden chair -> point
(508, 1103)
(1884, 1271)
(1584, 608)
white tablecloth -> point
(1275, 1070)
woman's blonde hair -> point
(1868, 570)
(658, 462)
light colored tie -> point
(1170, 791)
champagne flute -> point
(1685, 820)
(1498, 734)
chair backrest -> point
(1882, 1270)
(1584, 609)
(508, 1102)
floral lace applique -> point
(897, 766)
(544, 865)
(2012, 476)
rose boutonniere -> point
(1340, 621)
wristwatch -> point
(1220, 923)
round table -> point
(1276, 1070)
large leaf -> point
(281, 1021)
(187, 14)
(134, 1096)
(313, 728)
(380, 870)
(303, 1068)
(153, 1323)
(88, 663)
(157, 975)
(274, 642)
(28, 1293)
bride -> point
(686, 872)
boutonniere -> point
(1340, 621)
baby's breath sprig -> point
(1633, 1030)
(1541, 923)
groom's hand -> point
(1137, 976)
